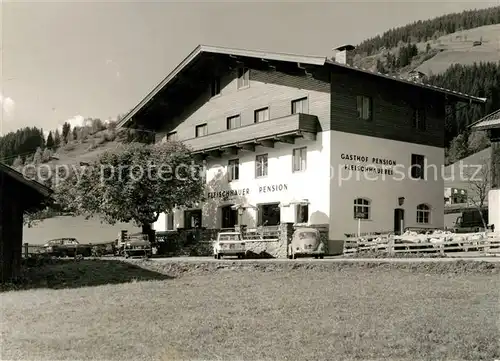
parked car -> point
(306, 242)
(67, 247)
(229, 244)
(136, 247)
(133, 245)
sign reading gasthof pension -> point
(364, 163)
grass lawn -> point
(263, 312)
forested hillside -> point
(31, 145)
(400, 50)
(482, 80)
(422, 31)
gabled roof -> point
(281, 57)
(490, 121)
(17, 176)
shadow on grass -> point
(61, 273)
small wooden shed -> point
(17, 196)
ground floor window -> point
(362, 208)
(423, 214)
(192, 218)
(302, 213)
(269, 214)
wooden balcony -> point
(266, 134)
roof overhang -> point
(299, 60)
(490, 121)
(18, 177)
(449, 93)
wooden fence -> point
(30, 250)
(486, 246)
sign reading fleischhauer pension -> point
(264, 188)
(368, 164)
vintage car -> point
(306, 242)
(133, 245)
(67, 247)
(229, 244)
(137, 248)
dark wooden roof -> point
(194, 64)
(18, 177)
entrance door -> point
(229, 217)
(399, 217)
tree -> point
(478, 186)
(458, 148)
(37, 157)
(96, 125)
(50, 141)
(113, 187)
(66, 129)
(57, 139)
(18, 163)
(478, 140)
(111, 125)
(20, 142)
(69, 137)
(47, 153)
(76, 131)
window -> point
(423, 213)
(302, 213)
(215, 86)
(234, 122)
(172, 136)
(362, 208)
(233, 170)
(170, 222)
(300, 106)
(364, 105)
(299, 159)
(269, 214)
(261, 166)
(261, 115)
(417, 166)
(192, 218)
(201, 130)
(419, 119)
(243, 77)
(459, 196)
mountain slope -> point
(437, 55)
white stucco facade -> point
(494, 208)
(328, 186)
(384, 186)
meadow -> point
(145, 310)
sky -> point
(71, 60)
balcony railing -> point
(265, 133)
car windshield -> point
(229, 237)
(307, 234)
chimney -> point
(344, 54)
